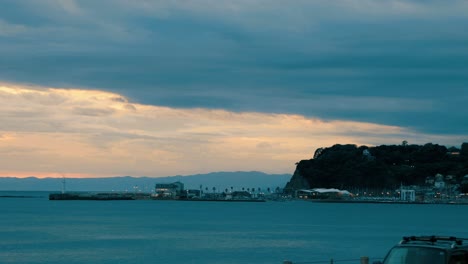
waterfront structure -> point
(238, 195)
(168, 190)
(91, 196)
(193, 193)
(322, 193)
(408, 195)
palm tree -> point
(232, 188)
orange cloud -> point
(52, 132)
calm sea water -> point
(36, 230)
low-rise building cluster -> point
(437, 189)
(176, 190)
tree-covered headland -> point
(381, 167)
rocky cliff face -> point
(298, 181)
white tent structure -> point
(320, 193)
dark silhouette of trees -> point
(318, 152)
(464, 150)
(382, 167)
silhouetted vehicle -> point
(429, 250)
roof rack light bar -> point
(433, 239)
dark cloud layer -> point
(391, 62)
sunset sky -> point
(160, 88)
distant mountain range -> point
(219, 180)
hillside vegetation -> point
(380, 167)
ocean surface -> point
(36, 230)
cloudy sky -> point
(158, 88)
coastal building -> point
(193, 193)
(439, 182)
(169, 190)
(322, 193)
(430, 180)
(366, 153)
(408, 195)
(241, 195)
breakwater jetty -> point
(138, 196)
(91, 196)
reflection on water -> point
(36, 230)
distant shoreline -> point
(382, 202)
(20, 196)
